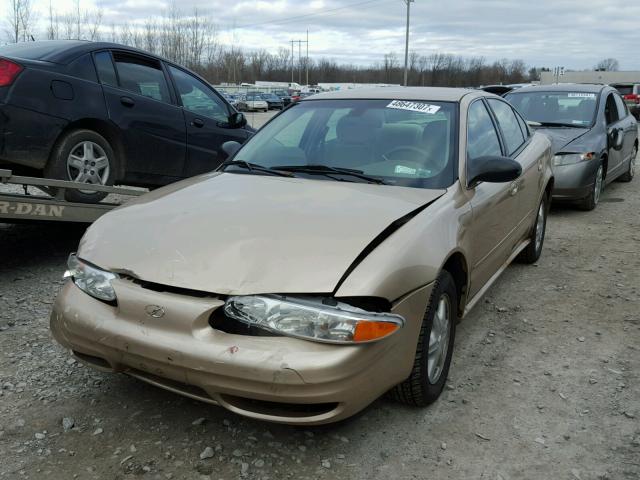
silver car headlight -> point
(572, 158)
(310, 319)
(90, 279)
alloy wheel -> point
(597, 188)
(88, 163)
(439, 339)
(540, 223)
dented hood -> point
(242, 234)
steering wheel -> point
(423, 156)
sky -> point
(575, 34)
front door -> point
(141, 105)
(494, 205)
(206, 117)
(515, 135)
(614, 122)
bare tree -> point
(21, 21)
(608, 65)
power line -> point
(328, 12)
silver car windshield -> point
(565, 108)
(405, 143)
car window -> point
(104, 66)
(624, 89)
(622, 110)
(142, 76)
(482, 138)
(509, 125)
(523, 126)
(407, 143)
(197, 97)
(611, 110)
(570, 108)
(291, 135)
(82, 67)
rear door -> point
(207, 121)
(515, 135)
(494, 205)
(141, 104)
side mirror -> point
(493, 170)
(616, 139)
(237, 120)
(230, 148)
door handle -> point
(127, 101)
(196, 122)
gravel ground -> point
(544, 382)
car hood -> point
(561, 137)
(245, 234)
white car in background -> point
(252, 102)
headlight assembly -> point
(572, 158)
(310, 319)
(91, 280)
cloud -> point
(573, 33)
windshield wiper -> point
(561, 124)
(254, 167)
(319, 169)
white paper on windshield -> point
(414, 106)
(581, 95)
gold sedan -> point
(326, 262)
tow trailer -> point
(51, 206)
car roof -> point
(562, 87)
(61, 51)
(399, 93)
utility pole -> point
(306, 63)
(292, 42)
(299, 42)
(406, 45)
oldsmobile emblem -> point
(155, 311)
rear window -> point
(624, 89)
(30, 51)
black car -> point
(284, 96)
(594, 137)
(274, 102)
(101, 113)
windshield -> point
(400, 143)
(254, 96)
(566, 108)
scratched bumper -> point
(278, 379)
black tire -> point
(591, 201)
(57, 167)
(629, 174)
(532, 252)
(418, 389)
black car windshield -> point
(405, 143)
(563, 108)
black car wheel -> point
(83, 156)
(435, 346)
(631, 170)
(591, 201)
(532, 252)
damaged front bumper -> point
(166, 339)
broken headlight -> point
(91, 280)
(311, 319)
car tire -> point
(532, 252)
(591, 201)
(631, 170)
(73, 149)
(429, 373)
